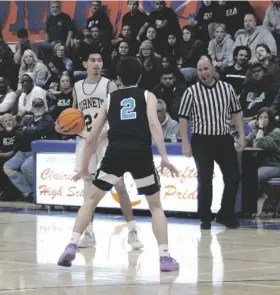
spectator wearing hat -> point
(19, 168)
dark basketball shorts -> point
(139, 163)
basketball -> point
(71, 121)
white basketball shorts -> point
(95, 159)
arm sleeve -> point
(186, 105)
(235, 106)
(8, 102)
(270, 142)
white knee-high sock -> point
(87, 192)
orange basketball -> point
(71, 121)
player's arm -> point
(74, 95)
(93, 137)
(155, 126)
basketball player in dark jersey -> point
(132, 117)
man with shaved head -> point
(210, 104)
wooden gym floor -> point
(244, 261)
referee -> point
(209, 105)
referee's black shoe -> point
(230, 223)
(205, 225)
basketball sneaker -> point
(134, 241)
(87, 241)
(168, 263)
(68, 255)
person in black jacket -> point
(170, 92)
(260, 92)
(100, 19)
(19, 168)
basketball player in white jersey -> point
(88, 97)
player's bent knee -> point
(154, 201)
(152, 196)
(96, 195)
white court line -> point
(252, 285)
(243, 269)
(240, 251)
(25, 269)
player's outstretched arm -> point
(157, 133)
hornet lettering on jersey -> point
(92, 102)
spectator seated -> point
(19, 168)
(266, 136)
(272, 202)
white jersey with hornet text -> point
(90, 98)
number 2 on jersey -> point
(88, 122)
(127, 110)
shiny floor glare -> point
(220, 261)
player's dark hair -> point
(253, 14)
(22, 33)
(137, 2)
(167, 71)
(272, 122)
(256, 65)
(88, 50)
(263, 45)
(129, 70)
(242, 47)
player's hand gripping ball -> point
(70, 122)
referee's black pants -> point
(219, 148)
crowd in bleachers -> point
(36, 80)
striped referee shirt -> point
(209, 108)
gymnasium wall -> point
(31, 15)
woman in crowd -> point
(64, 99)
(121, 51)
(56, 67)
(31, 64)
(60, 52)
(151, 66)
(220, 48)
(266, 136)
(192, 49)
